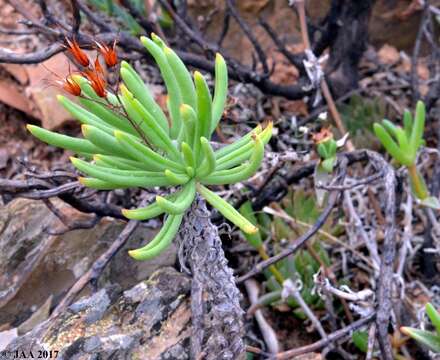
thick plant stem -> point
(417, 183)
(217, 317)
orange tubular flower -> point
(69, 85)
(79, 55)
(96, 82)
(98, 67)
(108, 53)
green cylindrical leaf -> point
(144, 213)
(104, 141)
(220, 90)
(156, 131)
(145, 155)
(204, 104)
(209, 163)
(390, 145)
(238, 173)
(183, 77)
(188, 155)
(407, 123)
(84, 116)
(241, 154)
(63, 141)
(174, 95)
(237, 144)
(227, 210)
(432, 341)
(125, 179)
(176, 179)
(164, 239)
(189, 119)
(434, 316)
(137, 119)
(110, 117)
(141, 92)
(418, 127)
(98, 184)
(181, 202)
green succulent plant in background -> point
(427, 338)
(403, 144)
(129, 142)
(112, 8)
(301, 266)
(326, 147)
(327, 151)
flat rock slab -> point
(35, 266)
(149, 321)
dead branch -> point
(268, 333)
(109, 33)
(97, 268)
(248, 32)
(384, 304)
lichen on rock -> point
(149, 321)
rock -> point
(37, 317)
(390, 22)
(33, 262)
(7, 336)
(149, 321)
(43, 90)
(18, 72)
(10, 95)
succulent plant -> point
(299, 267)
(129, 142)
(403, 144)
(427, 338)
(115, 10)
(326, 147)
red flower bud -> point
(108, 53)
(71, 86)
(79, 55)
(98, 67)
(96, 82)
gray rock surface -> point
(35, 265)
(149, 321)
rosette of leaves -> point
(403, 144)
(431, 339)
(129, 142)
